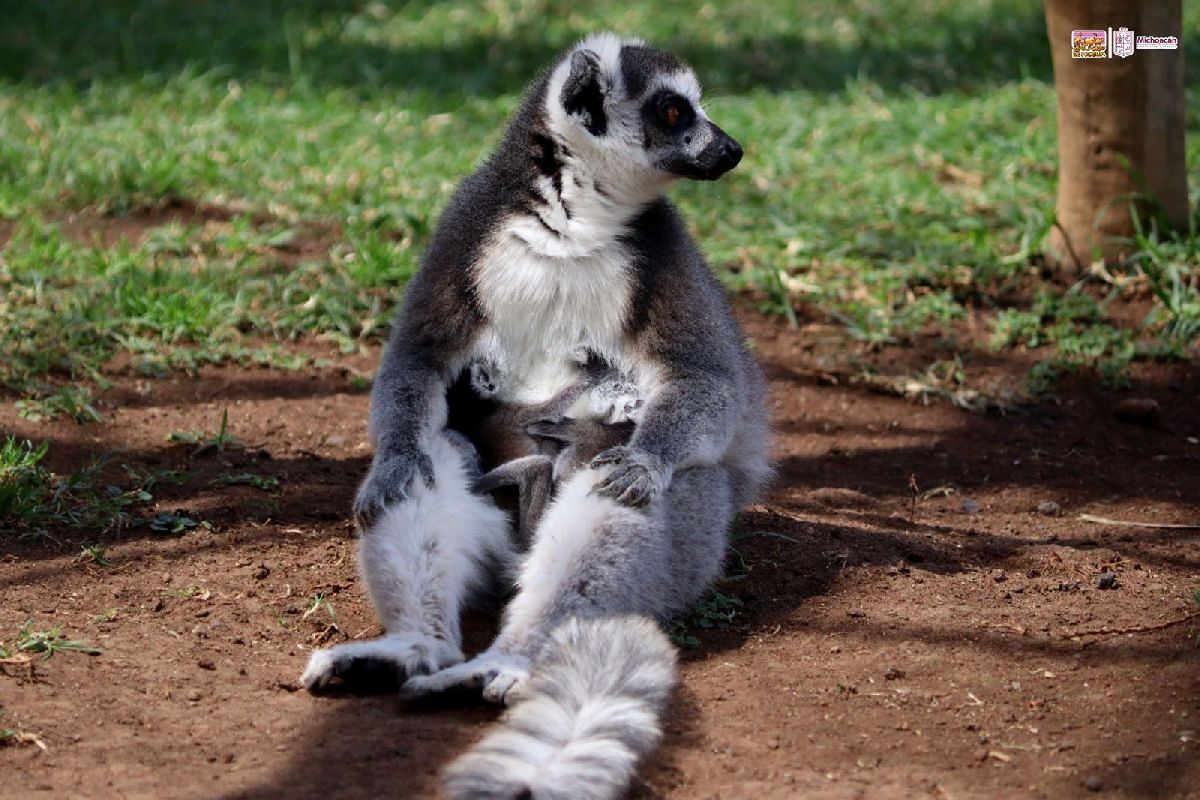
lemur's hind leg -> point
(419, 561)
(592, 557)
(534, 478)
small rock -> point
(1049, 508)
(204, 663)
(159, 605)
(1138, 411)
(194, 695)
(970, 506)
(260, 572)
(1107, 580)
(998, 575)
(335, 441)
(1093, 783)
(1068, 586)
(893, 674)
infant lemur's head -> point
(636, 111)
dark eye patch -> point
(670, 112)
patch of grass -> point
(1080, 335)
(51, 641)
(95, 554)
(266, 483)
(75, 402)
(716, 611)
(24, 483)
(33, 499)
(898, 173)
(208, 442)
(150, 478)
(191, 590)
(107, 615)
(319, 605)
(176, 522)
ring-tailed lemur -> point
(563, 241)
(539, 446)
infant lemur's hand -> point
(636, 479)
(389, 481)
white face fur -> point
(629, 171)
(558, 283)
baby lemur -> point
(540, 445)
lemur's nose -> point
(731, 154)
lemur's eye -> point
(671, 114)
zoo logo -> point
(1089, 44)
(1121, 43)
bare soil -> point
(949, 641)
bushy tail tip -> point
(589, 714)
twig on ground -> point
(21, 737)
(1134, 629)
(1186, 526)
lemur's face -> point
(639, 110)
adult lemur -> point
(562, 242)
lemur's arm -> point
(683, 334)
(435, 327)
(689, 421)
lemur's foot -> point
(636, 477)
(500, 676)
(378, 663)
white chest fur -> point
(546, 309)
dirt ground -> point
(950, 643)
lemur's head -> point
(638, 110)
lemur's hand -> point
(636, 479)
(388, 482)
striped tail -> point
(588, 715)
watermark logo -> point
(1158, 43)
(1122, 42)
(1089, 44)
(1119, 43)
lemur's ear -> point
(583, 92)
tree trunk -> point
(1120, 131)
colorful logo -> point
(1089, 44)
(1119, 43)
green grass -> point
(95, 554)
(50, 641)
(899, 172)
(266, 483)
(34, 501)
(715, 611)
(208, 441)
